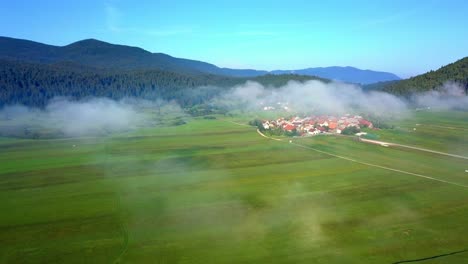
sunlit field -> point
(213, 191)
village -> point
(314, 125)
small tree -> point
(292, 133)
(351, 130)
(258, 123)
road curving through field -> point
(365, 163)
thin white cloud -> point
(161, 32)
(254, 33)
(279, 25)
(114, 22)
(400, 15)
(113, 17)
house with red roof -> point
(289, 127)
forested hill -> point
(103, 55)
(99, 54)
(455, 72)
(34, 84)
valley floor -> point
(216, 191)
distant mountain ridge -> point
(99, 54)
(32, 73)
(345, 74)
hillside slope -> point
(99, 54)
(34, 84)
(454, 72)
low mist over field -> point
(100, 116)
(450, 96)
(337, 98)
(316, 96)
(91, 117)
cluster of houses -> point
(314, 125)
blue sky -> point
(403, 37)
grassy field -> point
(442, 131)
(212, 191)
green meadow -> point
(212, 191)
(445, 131)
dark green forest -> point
(455, 72)
(34, 84)
(32, 73)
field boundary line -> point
(432, 257)
(368, 164)
(444, 127)
(411, 147)
(236, 123)
(125, 234)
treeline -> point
(456, 72)
(34, 84)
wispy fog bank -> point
(337, 98)
(450, 96)
(312, 96)
(100, 116)
(92, 117)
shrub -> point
(351, 130)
